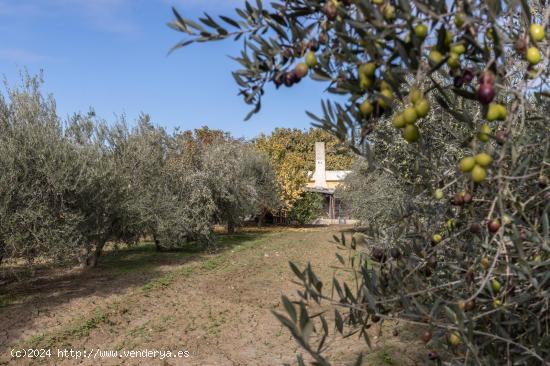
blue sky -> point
(112, 55)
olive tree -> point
(373, 196)
(31, 148)
(62, 196)
(451, 99)
(241, 180)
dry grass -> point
(216, 306)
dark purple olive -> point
(432, 355)
(487, 77)
(501, 137)
(458, 199)
(468, 76)
(395, 253)
(521, 46)
(469, 305)
(475, 228)
(278, 80)
(458, 81)
(379, 255)
(467, 197)
(288, 53)
(523, 235)
(290, 78)
(486, 93)
(314, 45)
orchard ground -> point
(217, 305)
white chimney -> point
(320, 176)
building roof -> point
(331, 175)
(320, 190)
(336, 175)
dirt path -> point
(216, 307)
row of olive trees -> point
(68, 188)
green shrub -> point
(307, 208)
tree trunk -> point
(2, 251)
(93, 258)
(158, 247)
(261, 218)
(230, 227)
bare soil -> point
(215, 306)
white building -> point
(325, 182)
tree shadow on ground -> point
(118, 270)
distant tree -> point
(141, 158)
(99, 192)
(242, 181)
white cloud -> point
(105, 15)
(19, 8)
(22, 56)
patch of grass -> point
(35, 339)
(237, 243)
(83, 329)
(4, 301)
(213, 263)
(386, 358)
(191, 326)
(140, 332)
(163, 324)
(144, 257)
(241, 241)
(12, 299)
(215, 322)
(168, 279)
(78, 330)
(158, 283)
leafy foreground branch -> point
(450, 100)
